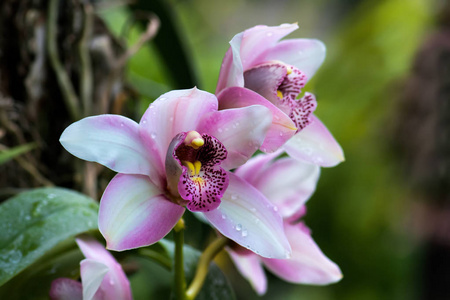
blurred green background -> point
(362, 212)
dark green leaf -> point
(34, 222)
(9, 154)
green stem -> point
(203, 266)
(180, 282)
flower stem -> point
(180, 282)
(203, 265)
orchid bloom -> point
(278, 70)
(102, 277)
(178, 157)
(307, 264)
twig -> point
(150, 32)
(86, 78)
(65, 84)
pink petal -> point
(258, 40)
(250, 266)
(175, 112)
(92, 274)
(113, 141)
(66, 289)
(308, 264)
(248, 218)
(305, 54)
(246, 47)
(286, 182)
(316, 145)
(282, 127)
(135, 213)
(241, 131)
(115, 284)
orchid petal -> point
(92, 273)
(305, 54)
(115, 283)
(66, 289)
(286, 182)
(250, 266)
(175, 112)
(135, 213)
(308, 264)
(282, 127)
(240, 130)
(245, 51)
(231, 71)
(111, 140)
(315, 144)
(259, 39)
(248, 218)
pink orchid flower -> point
(278, 70)
(178, 156)
(102, 276)
(307, 264)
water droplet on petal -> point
(269, 33)
(219, 130)
(144, 121)
(233, 197)
(111, 282)
(281, 134)
(162, 98)
(121, 124)
(153, 135)
(275, 208)
(244, 233)
(238, 227)
(224, 217)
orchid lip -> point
(281, 84)
(198, 181)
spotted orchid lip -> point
(281, 84)
(201, 182)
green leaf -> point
(6, 155)
(34, 222)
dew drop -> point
(51, 196)
(244, 233)
(275, 208)
(111, 282)
(153, 135)
(220, 130)
(238, 227)
(144, 122)
(162, 98)
(224, 217)
(233, 197)
(269, 33)
(121, 124)
(281, 134)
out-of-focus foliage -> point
(6, 155)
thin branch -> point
(64, 82)
(150, 32)
(86, 78)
